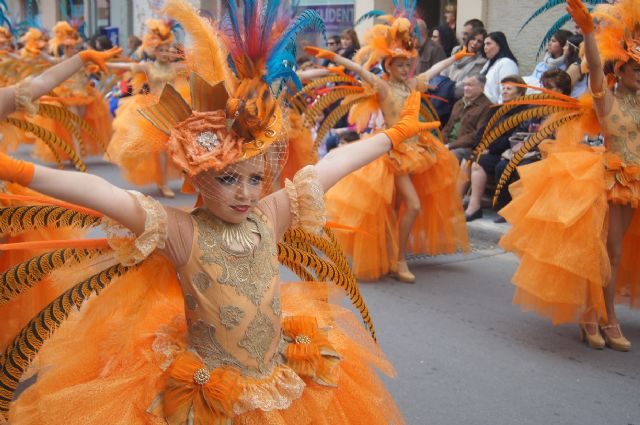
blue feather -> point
(249, 12)
(412, 9)
(550, 4)
(270, 15)
(369, 15)
(233, 18)
(4, 4)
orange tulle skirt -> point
(366, 200)
(559, 230)
(110, 361)
(137, 146)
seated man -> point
(469, 115)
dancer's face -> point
(399, 69)
(163, 53)
(231, 194)
(629, 75)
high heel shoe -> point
(593, 340)
(474, 216)
(402, 273)
(166, 191)
(618, 343)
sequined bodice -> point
(622, 128)
(232, 299)
(392, 106)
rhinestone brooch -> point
(201, 376)
(208, 140)
(302, 339)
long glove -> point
(99, 58)
(320, 53)
(580, 15)
(16, 171)
(462, 54)
(409, 123)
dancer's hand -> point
(462, 54)
(580, 15)
(320, 53)
(409, 123)
(16, 171)
(99, 58)
(336, 70)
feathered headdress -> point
(34, 41)
(235, 110)
(618, 32)
(396, 38)
(159, 32)
(63, 35)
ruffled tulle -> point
(365, 201)
(137, 145)
(558, 217)
(108, 363)
(623, 181)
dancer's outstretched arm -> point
(79, 188)
(602, 96)
(367, 76)
(344, 160)
(52, 77)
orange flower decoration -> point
(309, 353)
(202, 142)
(191, 387)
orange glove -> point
(462, 54)
(320, 53)
(409, 123)
(16, 171)
(336, 70)
(99, 58)
(581, 15)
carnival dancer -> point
(423, 174)
(574, 215)
(221, 341)
(140, 155)
(79, 96)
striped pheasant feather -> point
(14, 220)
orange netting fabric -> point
(105, 364)
(558, 216)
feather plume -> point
(335, 116)
(207, 52)
(372, 14)
(14, 220)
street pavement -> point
(465, 355)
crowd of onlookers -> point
(471, 87)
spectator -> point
(445, 37)
(349, 43)
(469, 65)
(100, 42)
(573, 62)
(556, 80)
(469, 115)
(429, 52)
(553, 58)
(501, 63)
(470, 26)
(450, 14)
(133, 44)
(333, 44)
(486, 165)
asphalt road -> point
(465, 355)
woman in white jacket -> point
(501, 64)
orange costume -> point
(136, 149)
(366, 199)
(560, 205)
(192, 325)
(80, 97)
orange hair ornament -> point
(63, 35)
(618, 31)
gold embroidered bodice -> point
(392, 106)
(231, 293)
(621, 128)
